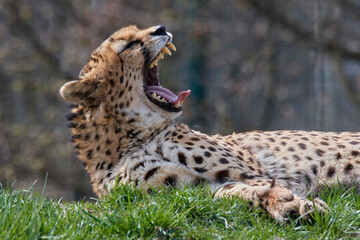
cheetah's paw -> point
(282, 204)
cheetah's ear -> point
(82, 91)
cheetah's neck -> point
(102, 142)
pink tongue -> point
(168, 95)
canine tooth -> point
(153, 95)
(166, 50)
(161, 56)
(154, 63)
(171, 46)
(178, 104)
(157, 97)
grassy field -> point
(185, 214)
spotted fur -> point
(121, 136)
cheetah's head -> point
(121, 76)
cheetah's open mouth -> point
(160, 96)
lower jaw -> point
(164, 106)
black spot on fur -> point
(90, 154)
(141, 164)
(87, 136)
(198, 159)
(223, 161)
(331, 172)
(110, 166)
(112, 83)
(108, 152)
(207, 154)
(348, 168)
(72, 125)
(182, 158)
(212, 149)
(222, 176)
(355, 153)
(150, 173)
(246, 176)
(74, 137)
(319, 152)
(102, 165)
(170, 181)
(200, 170)
(302, 145)
(229, 186)
(71, 116)
(314, 169)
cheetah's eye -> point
(131, 44)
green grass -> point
(172, 214)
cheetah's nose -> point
(159, 31)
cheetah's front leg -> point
(279, 201)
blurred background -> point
(251, 64)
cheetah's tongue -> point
(168, 95)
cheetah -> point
(122, 124)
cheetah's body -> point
(123, 134)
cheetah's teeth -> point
(166, 50)
(157, 97)
(178, 104)
(153, 95)
(172, 47)
(161, 55)
(154, 63)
